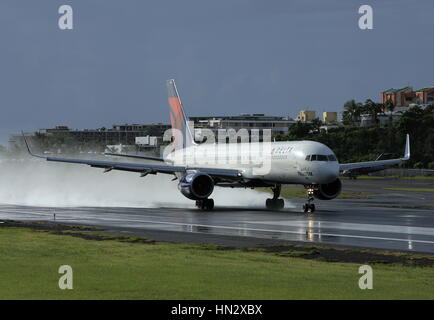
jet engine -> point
(328, 191)
(196, 186)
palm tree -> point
(352, 112)
(373, 109)
(389, 106)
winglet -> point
(407, 148)
(28, 147)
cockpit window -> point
(332, 157)
(320, 157)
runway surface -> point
(387, 220)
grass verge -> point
(394, 177)
(108, 266)
(411, 189)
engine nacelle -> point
(328, 191)
(196, 186)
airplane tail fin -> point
(177, 118)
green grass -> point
(374, 177)
(395, 177)
(115, 269)
(418, 178)
(427, 207)
(412, 189)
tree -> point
(299, 130)
(316, 124)
(373, 109)
(352, 112)
(389, 106)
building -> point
(118, 134)
(277, 124)
(147, 141)
(425, 96)
(94, 139)
(328, 117)
(383, 119)
(402, 97)
(306, 115)
(405, 97)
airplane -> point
(308, 163)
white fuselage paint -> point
(277, 162)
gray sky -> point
(228, 57)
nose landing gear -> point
(275, 203)
(309, 207)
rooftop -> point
(425, 89)
(393, 90)
(255, 116)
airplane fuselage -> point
(293, 162)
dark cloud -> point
(229, 57)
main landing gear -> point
(205, 204)
(275, 203)
(309, 207)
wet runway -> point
(387, 220)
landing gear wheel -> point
(209, 204)
(309, 208)
(205, 204)
(275, 204)
(269, 203)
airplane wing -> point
(371, 166)
(135, 156)
(144, 169)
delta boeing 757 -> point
(201, 167)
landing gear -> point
(205, 204)
(275, 203)
(309, 207)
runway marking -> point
(351, 226)
(273, 231)
(190, 225)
